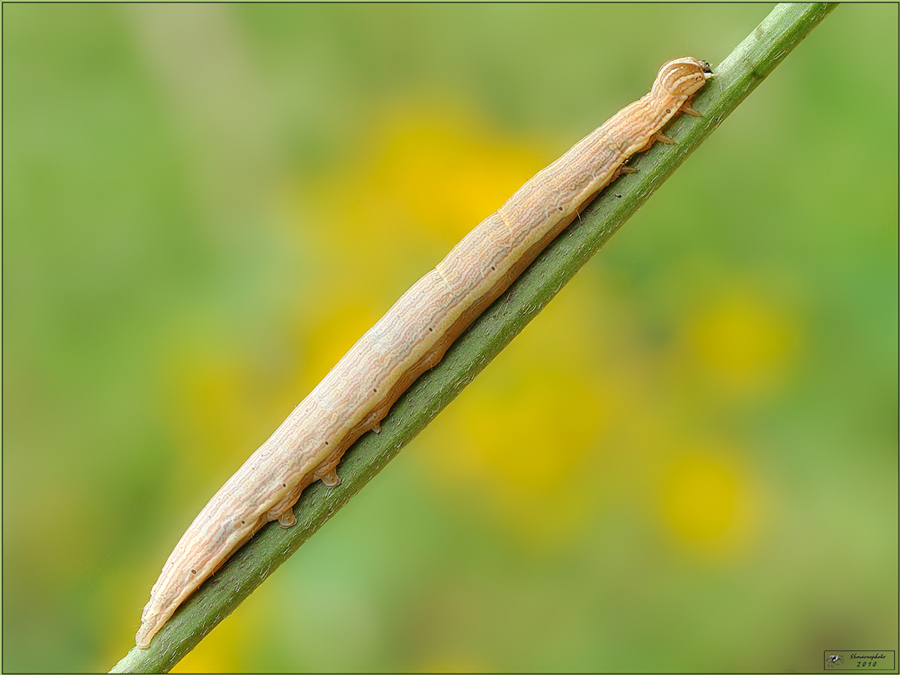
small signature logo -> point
(834, 659)
(846, 659)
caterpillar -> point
(412, 338)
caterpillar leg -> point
(662, 138)
(287, 518)
(331, 479)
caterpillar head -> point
(683, 77)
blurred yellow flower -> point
(422, 175)
(218, 652)
(207, 403)
(742, 341)
(525, 434)
(707, 501)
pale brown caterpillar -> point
(411, 338)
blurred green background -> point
(688, 462)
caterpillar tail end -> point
(145, 633)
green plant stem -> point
(736, 77)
